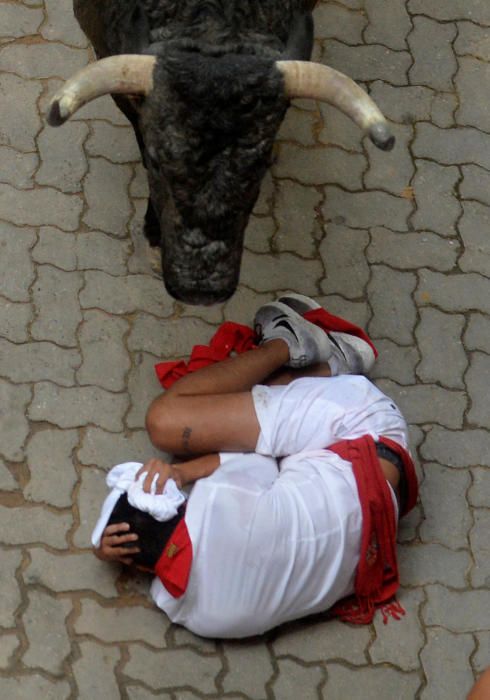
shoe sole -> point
(299, 303)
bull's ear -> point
(135, 32)
(300, 38)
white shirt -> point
(274, 545)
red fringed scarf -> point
(236, 338)
(377, 578)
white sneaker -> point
(299, 302)
(307, 343)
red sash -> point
(377, 578)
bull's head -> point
(208, 125)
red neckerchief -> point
(236, 338)
(174, 566)
(377, 578)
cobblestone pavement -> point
(396, 242)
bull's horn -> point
(124, 74)
(319, 82)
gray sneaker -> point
(350, 354)
(307, 343)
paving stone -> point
(472, 81)
(296, 214)
(14, 427)
(17, 168)
(15, 244)
(39, 526)
(55, 296)
(243, 305)
(444, 107)
(481, 658)
(364, 63)
(391, 171)
(70, 572)
(421, 564)
(394, 314)
(474, 10)
(32, 686)
(124, 295)
(50, 462)
(11, 597)
(367, 683)
(95, 250)
(56, 248)
(136, 693)
(473, 227)
(46, 60)
(459, 612)
(44, 623)
(143, 387)
(343, 252)
(40, 206)
(19, 133)
(14, 320)
(259, 233)
(395, 362)
(321, 641)
(475, 184)
(102, 108)
(168, 339)
(439, 335)
(431, 47)
(399, 643)
(139, 183)
(319, 166)
(410, 251)
(439, 525)
(388, 28)
(457, 448)
(94, 672)
(480, 574)
(356, 312)
(297, 681)
(173, 668)
(477, 336)
(432, 183)
(7, 481)
(17, 21)
(366, 209)
(61, 25)
(472, 40)
(455, 146)
(298, 126)
(120, 624)
(241, 659)
(9, 644)
(263, 273)
(427, 403)
(107, 449)
(77, 407)
(337, 22)
(451, 652)
(105, 358)
(338, 129)
(115, 143)
(63, 163)
(106, 192)
(465, 292)
(479, 493)
(403, 104)
(477, 379)
(91, 495)
(34, 362)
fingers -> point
(155, 468)
(114, 544)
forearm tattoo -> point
(186, 439)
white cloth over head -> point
(122, 479)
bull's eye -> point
(152, 158)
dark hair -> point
(153, 535)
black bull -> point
(205, 84)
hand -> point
(112, 543)
(163, 470)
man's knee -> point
(157, 422)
